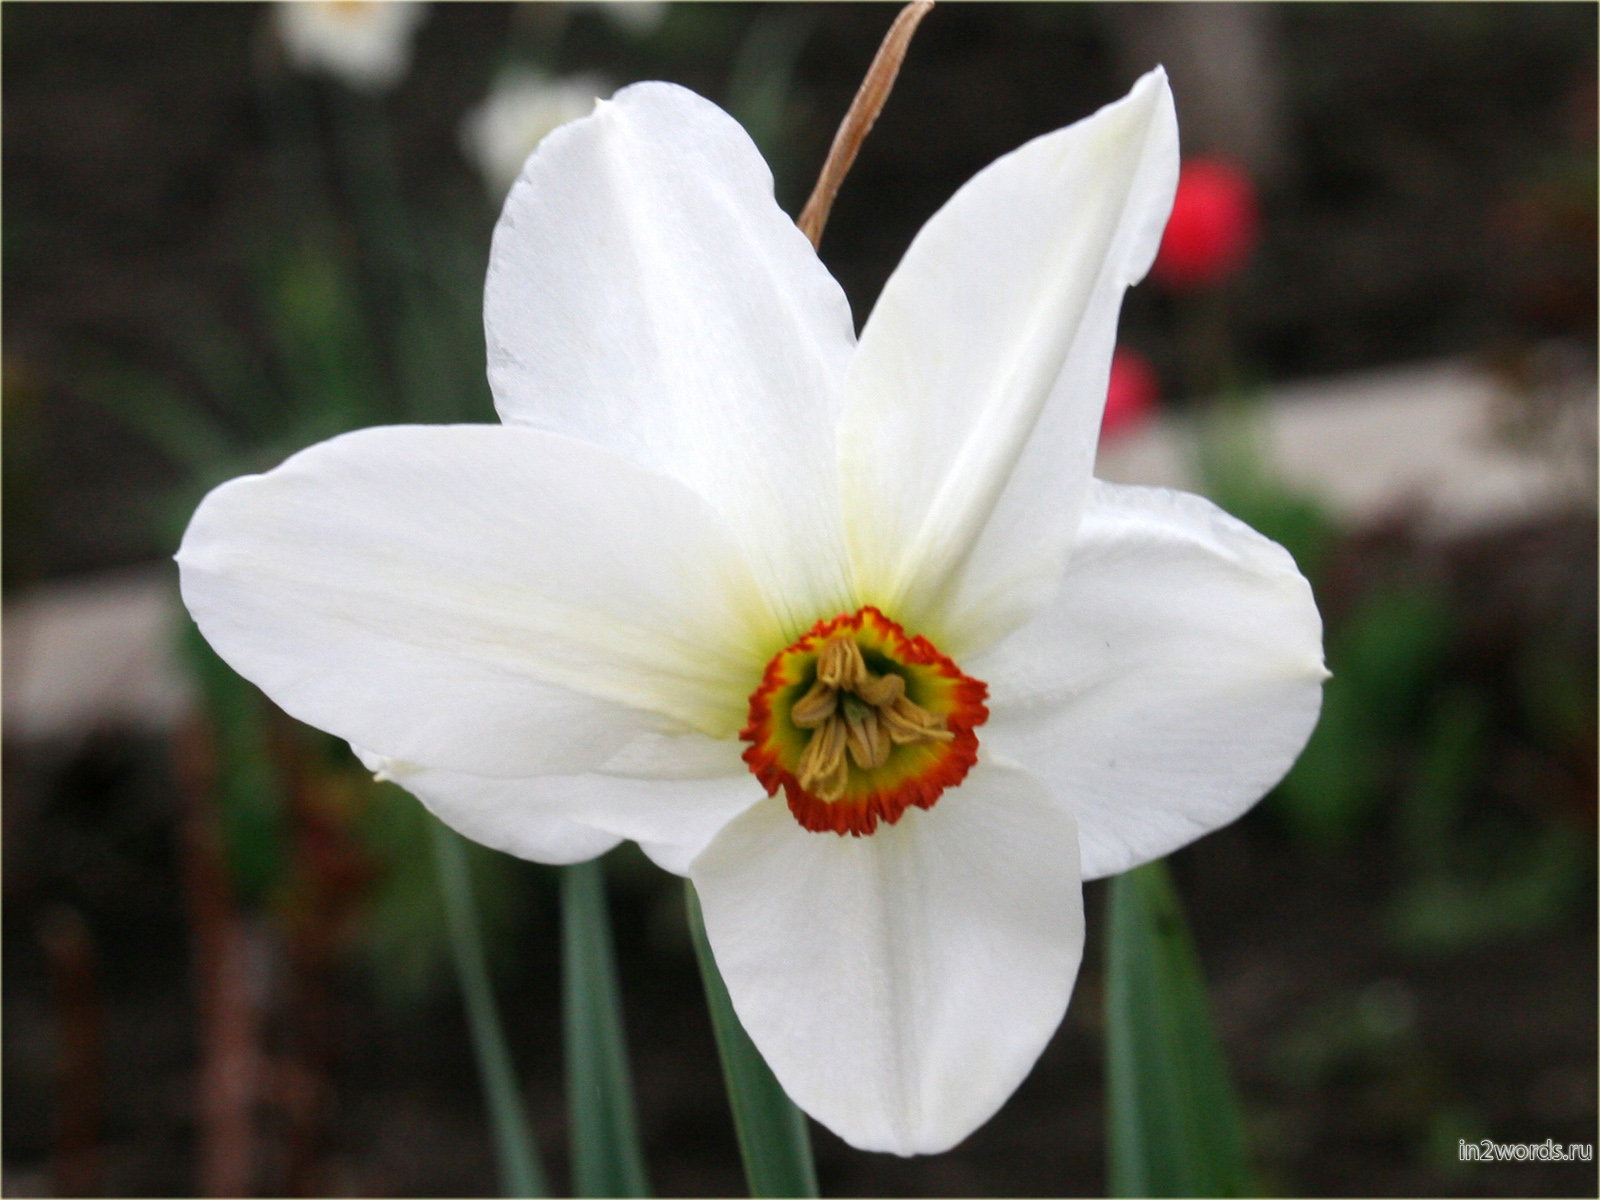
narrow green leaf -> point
(520, 1171)
(606, 1157)
(1173, 1119)
(773, 1136)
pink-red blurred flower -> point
(1131, 395)
(1212, 229)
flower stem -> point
(858, 121)
(606, 1157)
(520, 1171)
(1173, 1121)
(774, 1139)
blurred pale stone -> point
(94, 653)
(1439, 440)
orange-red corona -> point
(859, 721)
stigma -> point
(859, 721)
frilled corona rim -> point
(880, 746)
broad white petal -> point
(973, 403)
(901, 985)
(523, 817)
(671, 795)
(505, 602)
(646, 293)
(1171, 682)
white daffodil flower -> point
(520, 110)
(363, 43)
(844, 631)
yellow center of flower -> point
(858, 721)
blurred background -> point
(231, 231)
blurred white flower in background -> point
(521, 108)
(365, 44)
(637, 18)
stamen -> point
(908, 724)
(869, 744)
(823, 770)
(840, 664)
(852, 709)
(815, 707)
(880, 690)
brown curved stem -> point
(857, 123)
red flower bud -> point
(1131, 395)
(1212, 228)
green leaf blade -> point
(606, 1156)
(774, 1139)
(1173, 1119)
(521, 1173)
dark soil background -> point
(1427, 187)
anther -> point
(880, 690)
(908, 723)
(869, 744)
(823, 770)
(815, 707)
(840, 664)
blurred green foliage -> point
(1401, 724)
(1352, 1034)
(405, 938)
(368, 314)
(1382, 656)
(1473, 883)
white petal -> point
(973, 403)
(524, 817)
(646, 293)
(499, 601)
(901, 985)
(1171, 682)
(671, 795)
